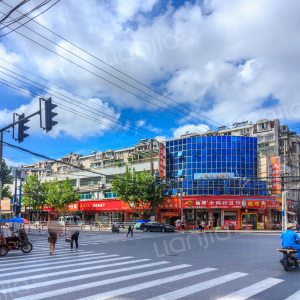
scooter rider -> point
(10, 237)
(289, 238)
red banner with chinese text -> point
(263, 204)
(161, 160)
(212, 204)
(276, 175)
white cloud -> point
(189, 129)
(73, 119)
(11, 163)
(224, 64)
(140, 123)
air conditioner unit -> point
(190, 216)
(190, 211)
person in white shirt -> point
(9, 236)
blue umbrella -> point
(2, 220)
(16, 220)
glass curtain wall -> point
(214, 154)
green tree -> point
(137, 190)
(6, 179)
(61, 194)
(34, 193)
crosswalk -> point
(86, 275)
(96, 239)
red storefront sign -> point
(212, 203)
(47, 208)
(161, 159)
(171, 203)
(290, 205)
(94, 206)
(73, 207)
(276, 175)
(171, 214)
(262, 204)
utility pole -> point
(1, 151)
(152, 174)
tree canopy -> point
(137, 190)
(52, 193)
(6, 179)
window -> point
(108, 154)
(92, 158)
(73, 161)
(99, 155)
(110, 195)
(83, 160)
(179, 154)
(43, 165)
(141, 148)
(86, 196)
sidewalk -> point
(275, 232)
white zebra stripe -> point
(98, 283)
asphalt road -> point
(151, 266)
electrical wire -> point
(143, 131)
(123, 72)
(76, 112)
(24, 15)
(110, 82)
(102, 106)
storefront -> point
(106, 211)
(6, 211)
(230, 212)
(169, 211)
(214, 211)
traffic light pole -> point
(1, 151)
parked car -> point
(69, 220)
(156, 226)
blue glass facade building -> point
(214, 154)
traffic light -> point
(22, 128)
(172, 183)
(49, 115)
(157, 181)
(18, 210)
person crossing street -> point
(129, 230)
(74, 237)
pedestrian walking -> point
(202, 226)
(52, 238)
(130, 230)
(74, 237)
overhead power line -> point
(121, 122)
(100, 105)
(112, 76)
(73, 111)
(65, 163)
(23, 15)
(102, 61)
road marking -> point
(99, 283)
(19, 257)
(20, 279)
(146, 285)
(61, 280)
(89, 256)
(200, 287)
(35, 252)
(295, 296)
(43, 258)
(252, 289)
(64, 266)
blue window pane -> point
(219, 151)
(214, 145)
(183, 147)
(208, 139)
(189, 146)
(194, 140)
(189, 140)
(213, 138)
(228, 145)
(223, 145)
(194, 159)
(180, 142)
(194, 146)
(189, 152)
(175, 148)
(203, 152)
(167, 144)
(184, 141)
(209, 152)
(223, 151)
(171, 143)
(176, 143)
(198, 145)
(219, 138)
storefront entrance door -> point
(217, 218)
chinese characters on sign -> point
(212, 204)
(161, 160)
(276, 175)
(213, 175)
(263, 204)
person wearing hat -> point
(289, 238)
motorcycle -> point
(23, 244)
(290, 257)
(115, 229)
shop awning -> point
(291, 213)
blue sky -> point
(223, 61)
